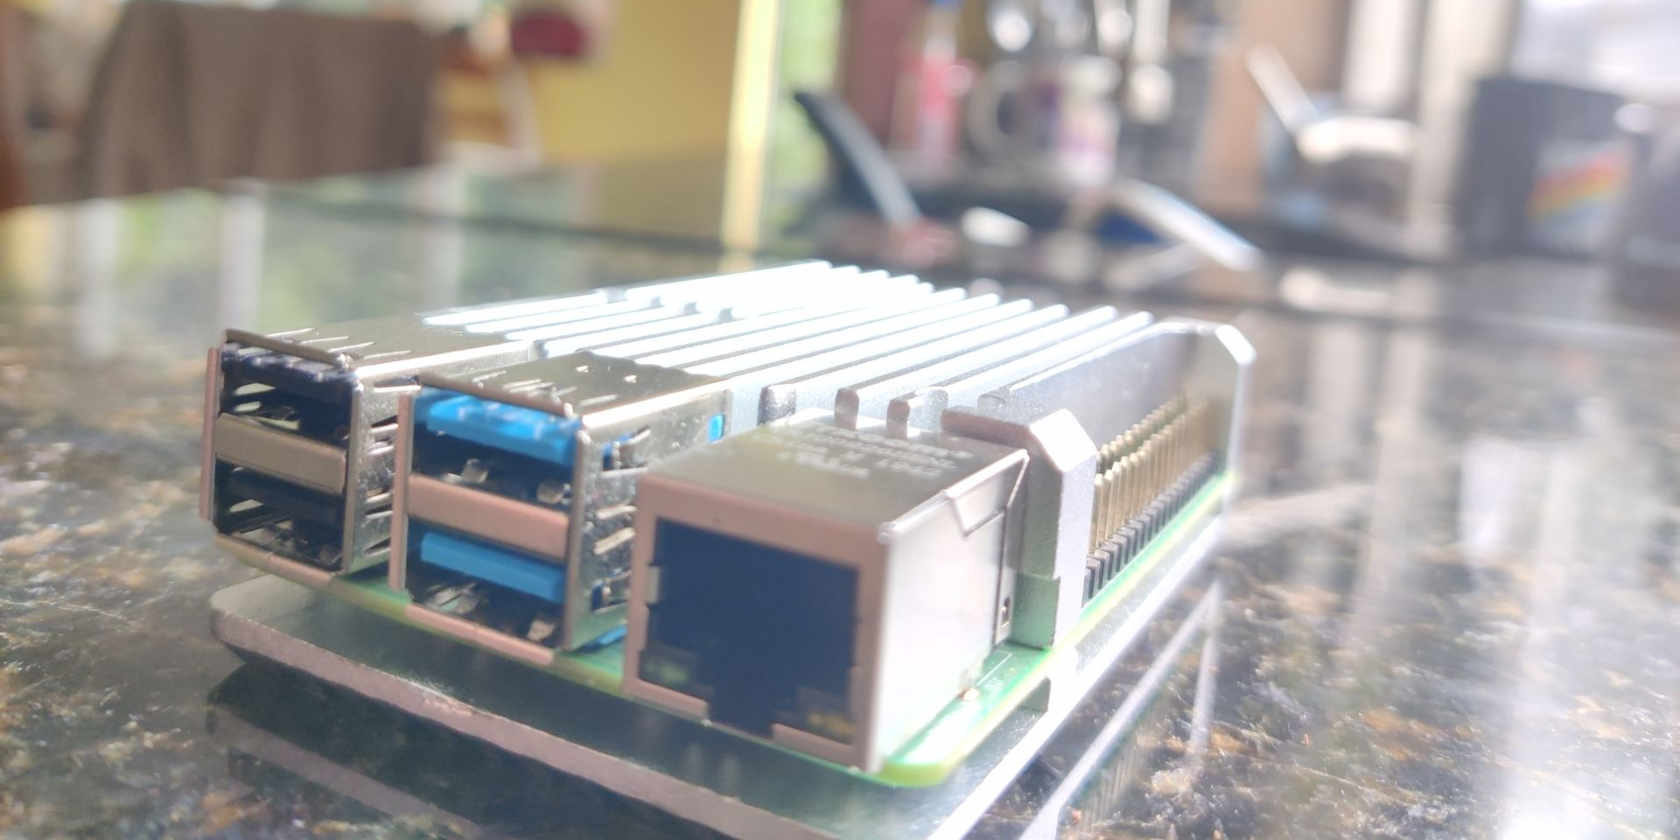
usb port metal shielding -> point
(312, 413)
(528, 473)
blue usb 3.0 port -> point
(504, 567)
(510, 428)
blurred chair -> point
(1329, 139)
(1149, 215)
(865, 172)
(11, 175)
(1339, 179)
(12, 188)
(189, 95)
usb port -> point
(519, 483)
(287, 393)
(278, 516)
(509, 431)
(493, 564)
(311, 414)
(488, 585)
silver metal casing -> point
(375, 360)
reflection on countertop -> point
(1452, 592)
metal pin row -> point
(1124, 545)
(1118, 469)
(1132, 438)
(1144, 466)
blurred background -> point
(1083, 142)
(1451, 229)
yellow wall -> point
(659, 87)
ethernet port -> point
(762, 634)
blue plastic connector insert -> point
(510, 428)
(503, 567)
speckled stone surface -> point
(1453, 598)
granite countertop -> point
(1453, 600)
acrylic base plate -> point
(735, 785)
